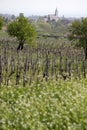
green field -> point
(3, 34)
(53, 105)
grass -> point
(52, 105)
(3, 34)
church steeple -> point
(56, 12)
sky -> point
(68, 8)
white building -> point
(52, 17)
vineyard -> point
(49, 58)
(42, 87)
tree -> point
(78, 31)
(1, 22)
(22, 30)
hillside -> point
(53, 28)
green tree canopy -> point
(1, 22)
(78, 31)
(23, 30)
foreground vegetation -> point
(52, 105)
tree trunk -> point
(85, 53)
(20, 46)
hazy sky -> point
(77, 8)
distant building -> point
(52, 17)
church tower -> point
(56, 12)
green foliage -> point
(44, 26)
(53, 105)
(22, 29)
(1, 22)
(61, 27)
(78, 31)
(58, 28)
